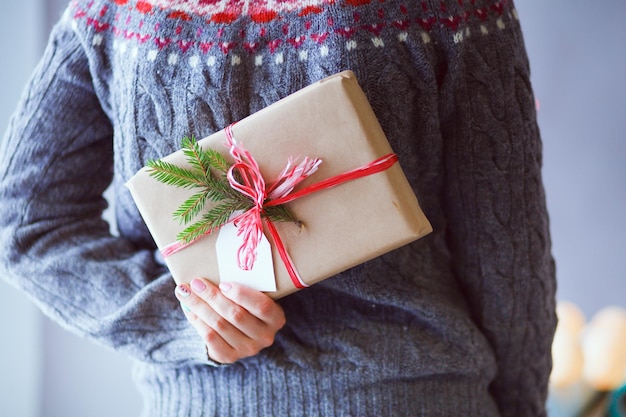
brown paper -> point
(343, 226)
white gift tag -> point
(260, 277)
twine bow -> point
(250, 223)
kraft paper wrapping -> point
(343, 226)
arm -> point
(498, 222)
(55, 162)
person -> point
(457, 323)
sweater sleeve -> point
(498, 230)
(55, 163)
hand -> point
(234, 321)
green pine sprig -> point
(207, 172)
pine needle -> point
(212, 220)
(195, 156)
(191, 207)
(208, 172)
(171, 174)
(279, 214)
(216, 160)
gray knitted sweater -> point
(458, 323)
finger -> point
(221, 338)
(242, 332)
(225, 313)
(191, 316)
(197, 301)
(217, 348)
(258, 304)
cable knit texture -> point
(458, 323)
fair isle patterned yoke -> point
(206, 43)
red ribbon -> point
(252, 184)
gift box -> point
(339, 227)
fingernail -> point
(225, 286)
(183, 291)
(197, 285)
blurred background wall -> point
(578, 61)
(46, 371)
